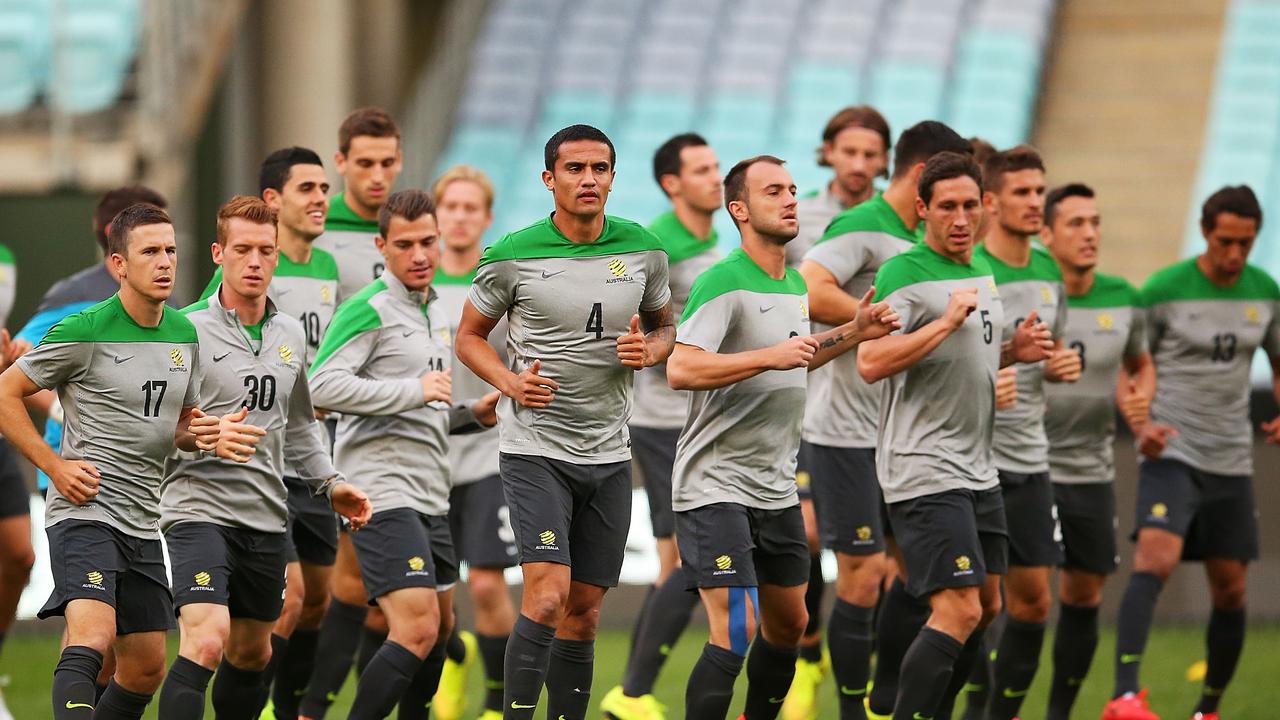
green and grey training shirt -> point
(740, 442)
(123, 388)
(1203, 338)
(937, 417)
(843, 410)
(349, 239)
(815, 210)
(656, 404)
(566, 304)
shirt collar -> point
(400, 292)
(230, 316)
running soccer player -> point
(1030, 283)
(1206, 317)
(934, 452)
(16, 554)
(688, 172)
(478, 515)
(369, 160)
(1105, 326)
(225, 524)
(738, 520)
(838, 447)
(577, 288)
(124, 370)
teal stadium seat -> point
(23, 44)
(907, 92)
(94, 51)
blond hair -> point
(247, 207)
(469, 174)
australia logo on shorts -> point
(203, 580)
(416, 566)
(724, 566)
(1159, 512)
(964, 566)
(95, 579)
(864, 534)
(547, 540)
(618, 269)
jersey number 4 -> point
(595, 321)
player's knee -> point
(488, 589)
(1229, 594)
(545, 606)
(144, 678)
(419, 636)
(291, 609)
(991, 607)
(16, 563)
(1032, 605)
(206, 648)
(312, 611)
(253, 658)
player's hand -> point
(204, 428)
(794, 352)
(876, 320)
(1063, 366)
(1153, 439)
(1272, 429)
(962, 303)
(1006, 387)
(237, 439)
(486, 409)
(322, 414)
(76, 480)
(633, 348)
(1135, 407)
(437, 385)
(10, 349)
(531, 389)
(351, 503)
(1032, 341)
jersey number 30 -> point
(261, 392)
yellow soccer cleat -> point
(450, 702)
(268, 712)
(490, 715)
(1196, 672)
(801, 702)
(866, 703)
(617, 706)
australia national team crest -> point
(618, 272)
(286, 354)
(1251, 315)
(179, 361)
(1106, 321)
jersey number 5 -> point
(595, 321)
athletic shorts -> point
(481, 524)
(952, 539)
(575, 515)
(91, 559)
(313, 526)
(236, 567)
(403, 548)
(846, 498)
(804, 480)
(1215, 514)
(655, 450)
(15, 499)
(732, 545)
(1087, 516)
(1034, 538)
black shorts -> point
(655, 450)
(1087, 516)
(313, 526)
(952, 539)
(558, 506)
(239, 568)
(804, 481)
(732, 545)
(15, 499)
(846, 498)
(480, 523)
(1034, 537)
(1215, 514)
(92, 560)
(402, 548)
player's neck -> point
(459, 262)
(697, 222)
(581, 229)
(145, 311)
(848, 199)
(364, 212)
(1010, 249)
(1078, 282)
(295, 247)
(770, 256)
(1215, 276)
(901, 196)
(249, 310)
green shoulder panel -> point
(323, 266)
(738, 271)
(342, 218)
(212, 287)
(1108, 291)
(107, 322)
(1041, 266)
(922, 264)
(354, 316)
(677, 241)
(6, 255)
(1183, 281)
(874, 215)
(444, 278)
(543, 240)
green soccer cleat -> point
(617, 706)
(268, 712)
(450, 702)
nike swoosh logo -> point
(1011, 693)
(407, 334)
(1126, 658)
(283, 291)
(765, 309)
(119, 359)
(918, 716)
(517, 706)
(220, 358)
(776, 701)
(73, 706)
(850, 691)
(546, 275)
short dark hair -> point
(1060, 193)
(1234, 199)
(981, 150)
(408, 204)
(134, 216)
(922, 141)
(275, 170)
(574, 133)
(1015, 159)
(369, 121)
(859, 116)
(666, 161)
(946, 166)
(118, 199)
(246, 207)
(735, 183)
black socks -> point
(118, 703)
(335, 647)
(710, 688)
(926, 674)
(525, 667)
(569, 678)
(770, 670)
(293, 672)
(493, 651)
(1224, 641)
(237, 694)
(849, 640)
(1136, 612)
(74, 683)
(388, 675)
(901, 617)
(1015, 667)
(415, 703)
(1074, 643)
(182, 695)
(667, 614)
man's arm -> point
(1063, 365)
(473, 349)
(891, 354)
(1031, 342)
(828, 302)
(76, 480)
(870, 322)
(336, 384)
(305, 450)
(692, 368)
(637, 350)
(1135, 389)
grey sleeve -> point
(657, 283)
(903, 302)
(1060, 315)
(494, 289)
(463, 421)
(337, 386)
(192, 396)
(305, 447)
(842, 256)
(52, 364)
(708, 325)
(1154, 326)
(1271, 340)
(1136, 345)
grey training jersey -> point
(843, 410)
(937, 417)
(740, 442)
(272, 384)
(471, 457)
(815, 211)
(1203, 338)
(122, 387)
(1106, 326)
(566, 304)
(657, 405)
(1020, 442)
(349, 238)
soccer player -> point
(225, 524)
(369, 160)
(933, 454)
(744, 351)
(577, 288)
(1206, 317)
(16, 553)
(838, 447)
(1030, 283)
(688, 172)
(478, 515)
(1105, 326)
(125, 372)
